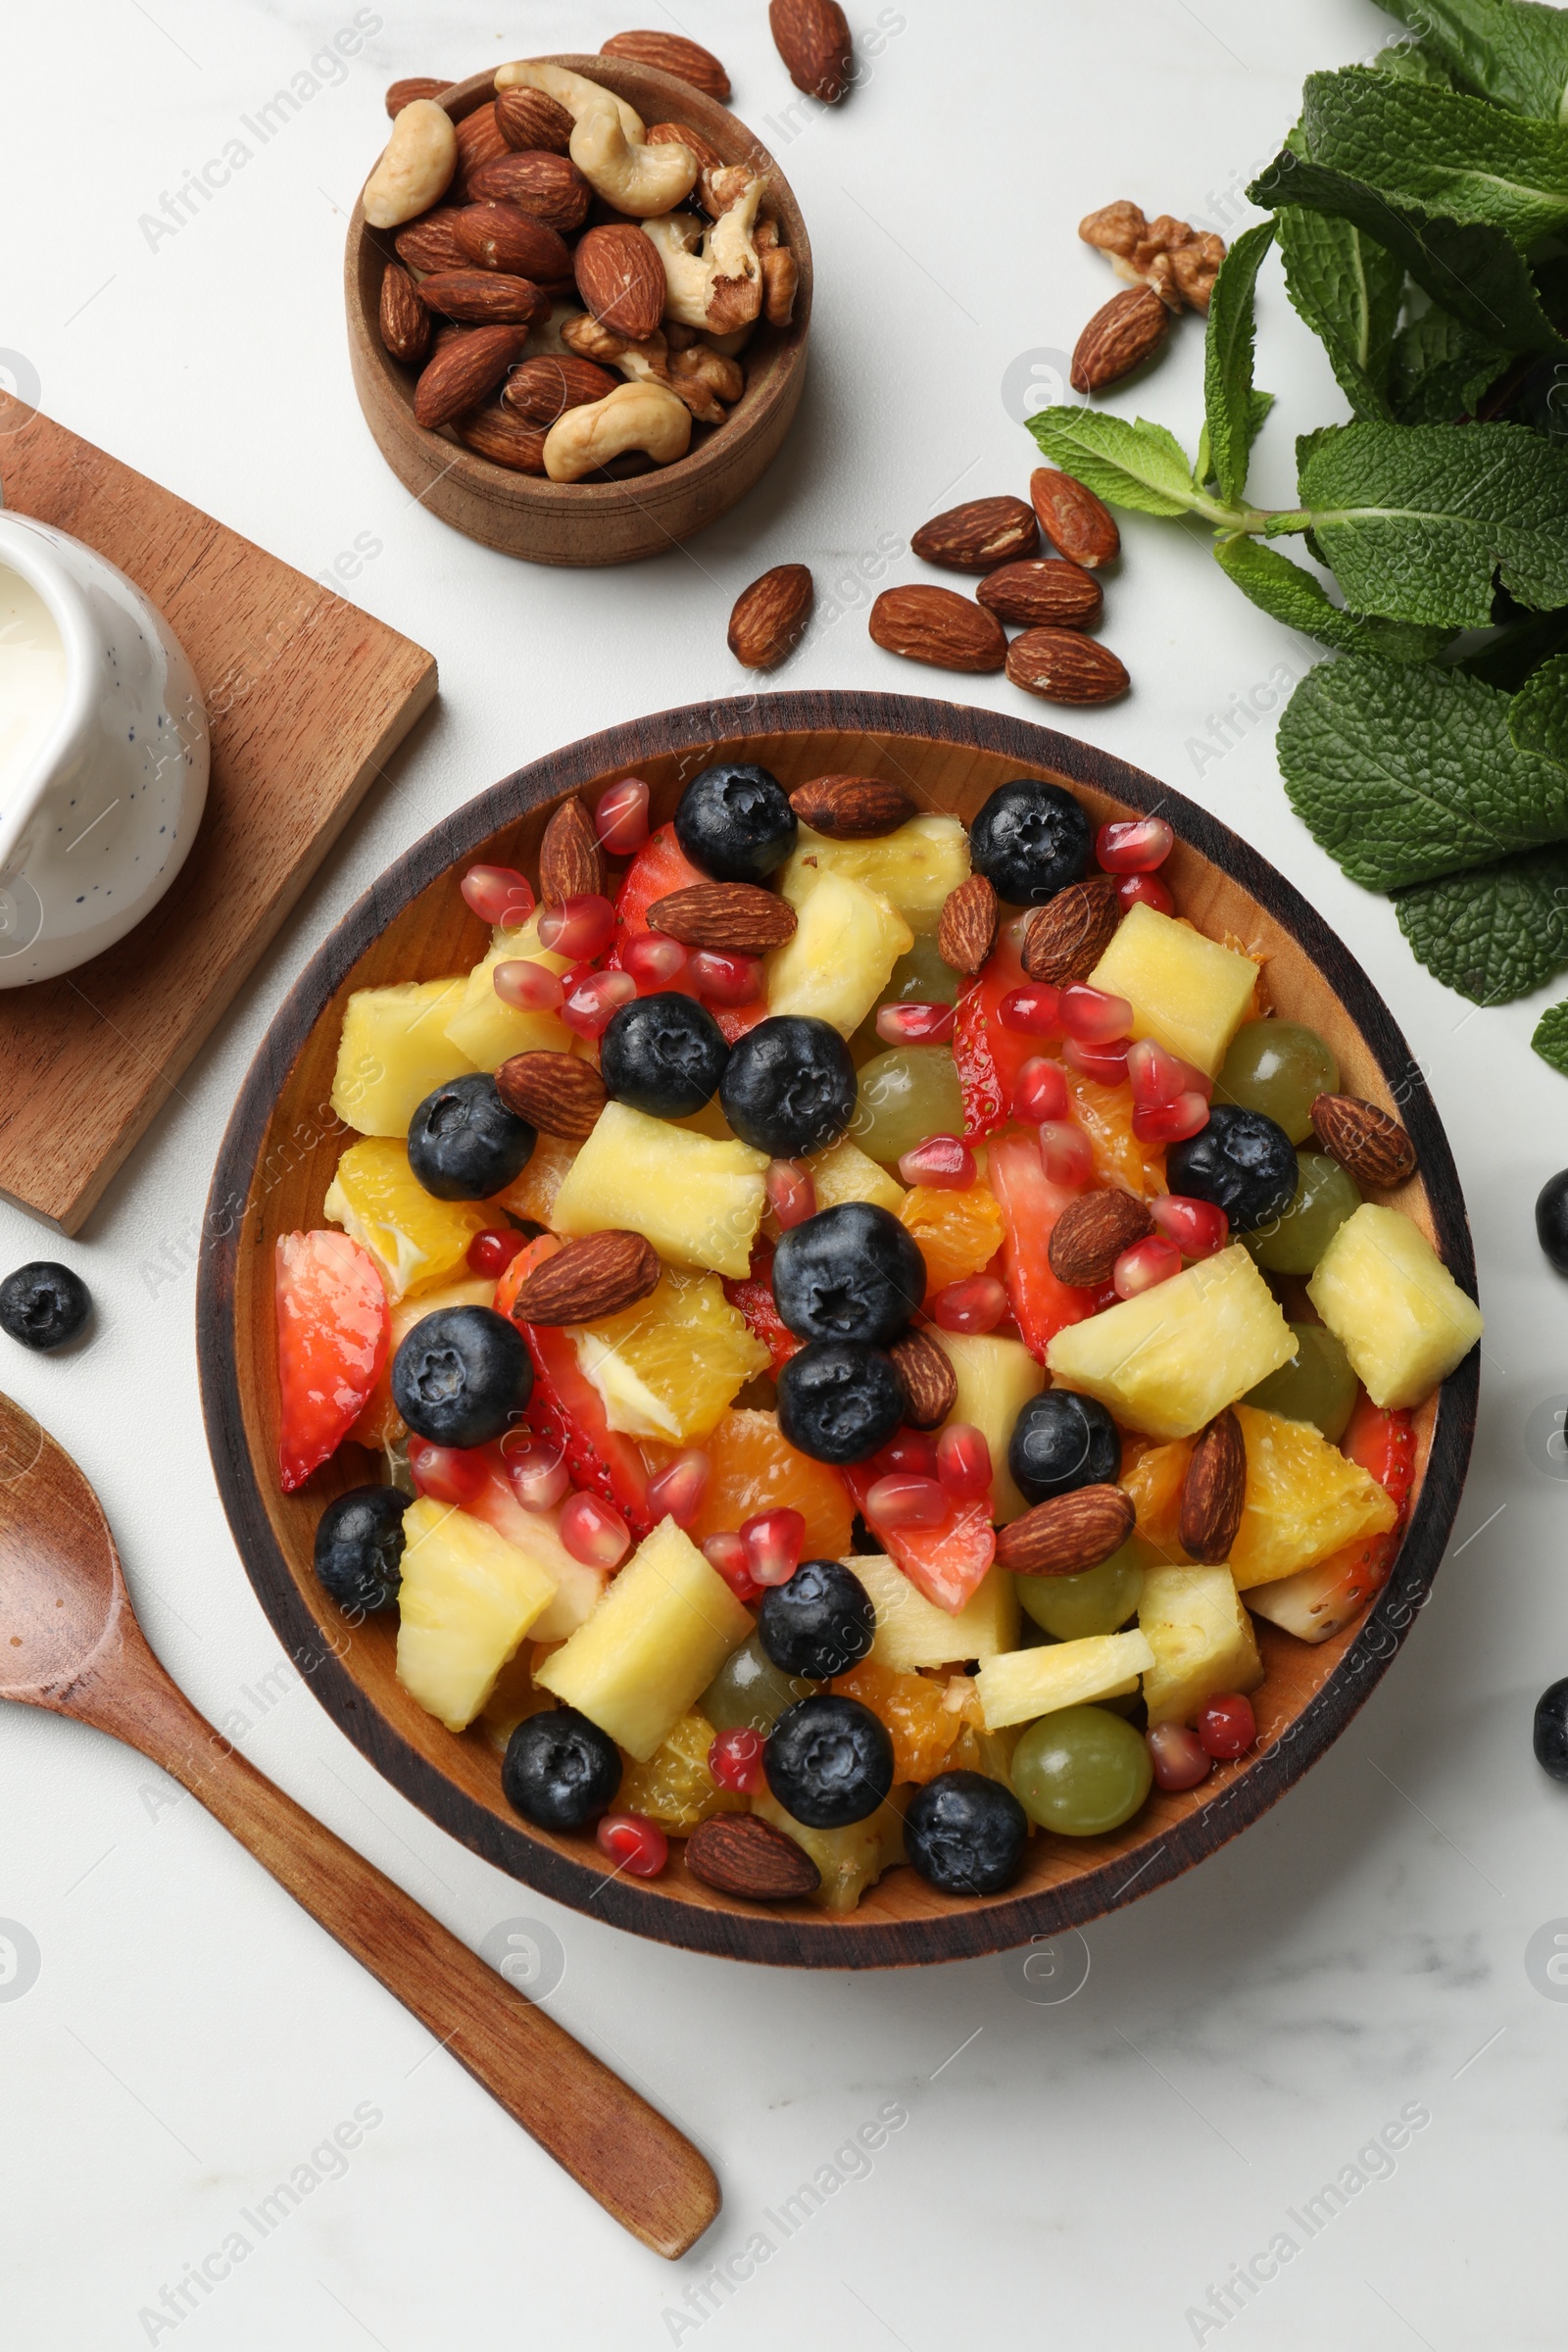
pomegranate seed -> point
(651, 960)
(1034, 1010)
(540, 1478)
(771, 1542)
(1227, 1726)
(1107, 1063)
(593, 1533)
(735, 1760)
(498, 894)
(1145, 890)
(943, 1164)
(963, 1459)
(912, 1452)
(978, 1303)
(1133, 847)
(595, 1001)
(528, 986)
(634, 1842)
(1147, 1262)
(583, 925)
(904, 1502)
(455, 1474)
(915, 1024)
(1091, 1017)
(1065, 1152)
(1178, 1755)
(620, 817)
(791, 1190)
(727, 1554)
(492, 1252)
(1172, 1122)
(678, 1489)
(1197, 1227)
(727, 980)
(1157, 1077)
(1041, 1091)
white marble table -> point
(1083, 2173)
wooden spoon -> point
(70, 1642)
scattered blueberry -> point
(838, 1400)
(358, 1548)
(560, 1769)
(1551, 1220)
(1243, 1162)
(965, 1834)
(464, 1144)
(736, 822)
(820, 1624)
(828, 1761)
(1029, 841)
(43, 1305)
(664, 1054)
(462, 1376)
(788, 1088)
(852, 1272)
(1061, 1440)
(1551, 1731)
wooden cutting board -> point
(305, 696)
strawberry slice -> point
(333, 1328)
(752, 1296)
(566, 1408)
(1318, 1601)
(1030, 1205)
(989, 1057)
(660, 867)
(945, 1563)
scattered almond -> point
(968, 930)
(1373, 1147)
(1073, 518)
(1091, 1234)
(501, 436)
(463, 370)
(742, 1854)
(570, 863)
(1214, 1491)
(418, 85)
(1118, 338)
(938, 626)
(484, 297)
(550, 186)
(669, 53)
(404, 320)
(1072, 931)
(497, 237)
(431, 242)
(813, 37)
(852, 807)
(599, 1275)
(771, 615)
(926, 1376)
(1062, 666)
(1042, 593)
(543, 389)
(978, 535)
(1068, 1534)
(530, 120)
(621, 279)
(560, 1094)
(734, 918)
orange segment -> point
(1105, 1115)
(959, 1232)
(756, 1469)
(1154, 1482)
(534, 1195)
(669, 1366)
(417, 1239)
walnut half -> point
(1179, 262)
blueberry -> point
(1061, 1440)
(464, 1144)
(1551, 1731)
(1551, 1220)
(664, 1055)
(462, 1376)
(820, 1624)
(965, 1834)
(43, 1305)
(828, 1761)
(358, 1548)
(1029, 841)
(838, 1400)
(736, 822)
(788, 1088)
(1243, 1162)
(852, 1272)
(560, 1769)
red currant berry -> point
(735, 1760)
(493, 1250)
(634, 1842)
(1178, 1755)
(1227, 1726)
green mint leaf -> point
(1509, 51)
(1440, 369)
(1346, 287)
(1407, 61)
(1550, 1040)
(1439, 150)
(1258, 407)
(1404, 774)
(1537, 715)
(1513, 654)
(1228, 359)
(1496, 932)
(1414, 519)
(1291, 595)
(1139, 466)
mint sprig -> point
(1439, 150)
(1506, 50)
(1496, 932)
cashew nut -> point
(719, 287)
(646, 416)
(608, 142)
(416, 166)
(573, 91)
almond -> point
(1091, 1234)
(482, 297)
(431, 241)
(404, 320)
(1366, 1141)
(736, 918)
(938, 626)
(1213, 1492)
(530, 120)
(479, 140)
(1118, 338)
(1062, 666)
(550, 186)
(926, 1376)
(570, 865)
(771, 615)
(1074, 519)
(501, 436)
(1072, 931)
(978, 535)
(463, 370)
(813, 37)
(497, 237)
(852, 807)
(621, 279)
(681, 134)
(417, 85)
(668, 53)
(968, 930)
(1044, 593)
(741, 1853)
(1068, 1534)
(560, 1094)
(541, 390)
(596, 1276)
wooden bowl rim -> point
(964, 1932)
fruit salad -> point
(855, 1318)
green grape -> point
(1325, 1196)
(1096, 1602)
(1278, 1067)
(1081, 1771)
(906, 1093)
(1318, 1387)
(748, 1693)
(918, 978)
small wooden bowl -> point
(283, 1144)
(588, 522)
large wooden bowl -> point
(588, 522)
(283, 1143)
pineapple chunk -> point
(850, 1860)
(1187, 992)
(913, 1632)
(1171, 1358)
(578, 1587)
(416, 1240)
(913, 868)
(532, 1195)
(1304, 1499)
(837, 964)
(467, 1599)
(1392, 1303)
(1202, 1638)
(675, 1788)
(845, 1174)
(698, 1202)
(996, 1380)
(488, 1029)
(1028, 1683)
(658, 1637)
(669, 1366)
(395, 1050)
